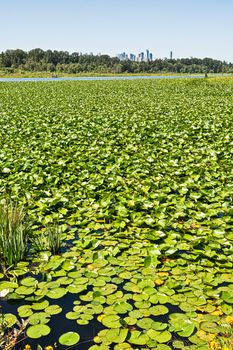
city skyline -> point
(142, 56)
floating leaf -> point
(38, 331)
(111, 321)
(56, 293)
(69, 338)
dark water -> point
(101, 78)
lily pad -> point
(69, 338)
(53, 309)
(111, 321)
(38, 331)
(138, 338)
(9, 320)
(56, 293)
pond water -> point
(102, 78)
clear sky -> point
(198, 28)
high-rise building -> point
(170, 55)
(122, 56)
(132, 57)
(141, 57)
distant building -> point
(141, 57)
(122, 56)
(170, 55)
(132, 57)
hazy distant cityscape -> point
(141, 57)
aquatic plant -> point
(141, 173)
(49, 239)
(14, 233)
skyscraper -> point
(132, 57)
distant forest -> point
(38, 60)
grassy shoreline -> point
(87, 74)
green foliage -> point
(14, 233)
(38, 60)
(50, 240)
(140, 172)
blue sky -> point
(198, 28)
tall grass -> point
(14, 233)
(50, 240)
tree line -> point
(38, 60)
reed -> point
(50, 240)
(14, 233)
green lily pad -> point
(39, 317)
(40, 306)
(25, 290)
(82, 322)
(56, 293)
(122, 307)
(145, 323)
(158, 310)
(227, 297)
(76, 289)
(69, 338)
(111, 321)
(99, 347)
(72, 315)
(130, 320)
(138, 338)
(163, 337)
(123, 346)
(116, 335)
(38, 331)
(53, 309)
(25, 311)
(9, 320)
(29, 282)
